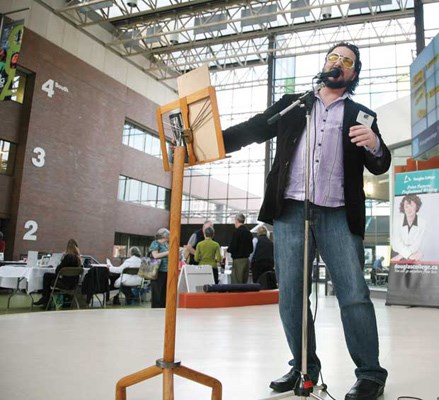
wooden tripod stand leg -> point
(132, 379)
(203, 379)
(167, 365)
(168, 384)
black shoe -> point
(365, 389)
(287, 382)
(116, 301)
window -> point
(143, 193)
(140, 139)
(7, 157)
(126, 240)
(195, 209)
(18, 87)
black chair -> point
(96, 282)
(131, 271)
(69, 286)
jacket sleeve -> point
(232, 246)
(120, 268)
(376, 165)
(197, 255)
(256, 129)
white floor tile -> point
(74, 355)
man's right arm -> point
(256, 129)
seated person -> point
(128, 280)
(71, 258)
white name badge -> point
(365, 119)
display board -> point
(11, 35)
(193, 278)
(32, 258)
(424, 82)
(414, 265)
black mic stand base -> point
(304, 388)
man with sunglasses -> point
(344, 140)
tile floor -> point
(80, 355)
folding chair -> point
(131, 271)
(57, 287)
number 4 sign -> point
(50, 85)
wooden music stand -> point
(186, 141)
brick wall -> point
(72, 191)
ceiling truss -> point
(166, 38)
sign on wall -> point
(424, 82)
(414, 266)
(10, 45)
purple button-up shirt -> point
(326, 157)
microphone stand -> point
(301, 102)
(304, 386)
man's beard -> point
(338, 84)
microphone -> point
(323, 76)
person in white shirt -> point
(128, 280)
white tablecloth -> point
(31, 277)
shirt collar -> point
(415, 221)
(344, 96)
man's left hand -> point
(362, 135)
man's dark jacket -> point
(287, 131)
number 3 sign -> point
(39, 159)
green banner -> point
(417, 182)
(10, 46)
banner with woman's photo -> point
(414, 265)
(10, 45)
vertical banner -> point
(424, 83)
(10, 45)
(414, 265)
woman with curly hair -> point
(409, 230)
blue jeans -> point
(343, 254)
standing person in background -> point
(71, 258)
(209, 252)
(128, 280)
(263, 256)
(159, 249)
(240, 248)
(196, 238)
(344, 140)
